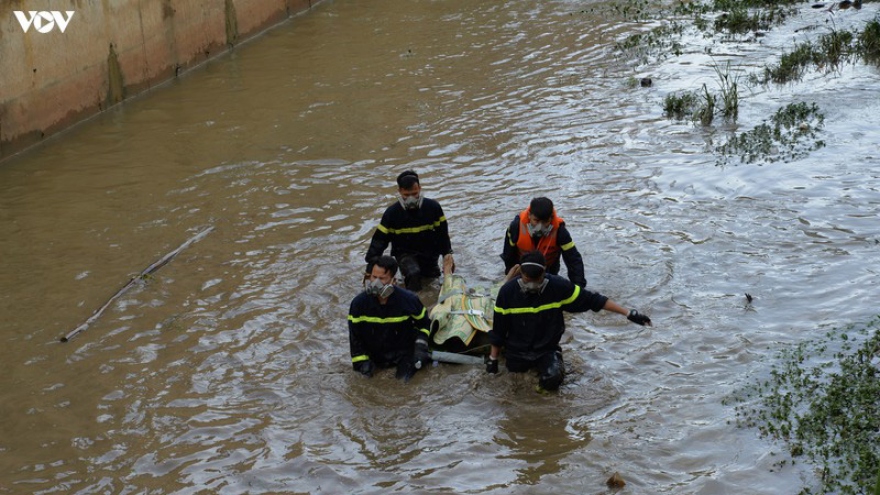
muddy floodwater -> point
(228, 371)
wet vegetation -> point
(681, 106)
(869, 44)
(748, 20)
(704, 105)
(829, 53)
(821, 401)
(792, 132)
(739, 16)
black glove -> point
(405, 369)
(638, 318)
(422, 355)
(491, 365)
(364, 367)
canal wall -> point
(62, 61)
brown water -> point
(228, 371)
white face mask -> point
(377, 288)
(539, 230)
(411, 202)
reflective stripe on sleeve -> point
(413, 230)
(376, 319)
(362, 357)
(543, 307)
(390, 319)
(566, 247)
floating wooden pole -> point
(150, 270)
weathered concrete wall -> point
(108, 51)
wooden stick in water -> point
(150, 270)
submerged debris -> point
(615, 481)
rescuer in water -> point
(538, 228)
(387, 325)
(416, 228)
(528, 322)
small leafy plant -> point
(789, 134)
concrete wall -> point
(109, 50)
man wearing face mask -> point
(416, 228)
(529, 322)
(387, 326)
(539, 228)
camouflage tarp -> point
(461, 312)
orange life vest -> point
(546, 244)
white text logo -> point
(43, 22)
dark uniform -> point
(530, 326)
(574, 262)
(418, 238)
(386, 333)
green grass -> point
(703, 106)
(791, 66)
(821, 401)
(828, 53)
(868, 45)
(681, 106)
(729, 86)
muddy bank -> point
(65, 61)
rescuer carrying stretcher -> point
(387, 325)
(528, 319)
(416, 228)
(538, 227)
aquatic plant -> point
(704, 105)
(835, 49)
(706, 113)
(658, 42)
(821, 402)
(729, 85)
(868, 43)
(740, 20)
(791, 65)
(828, 53)
(680, 106)
(789, 134)
(738, 16)
(735, 17)
(633, 10)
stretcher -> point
(462, 317)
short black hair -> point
(532, 271)
(407, 179)
(386, 262)
(542, 208)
